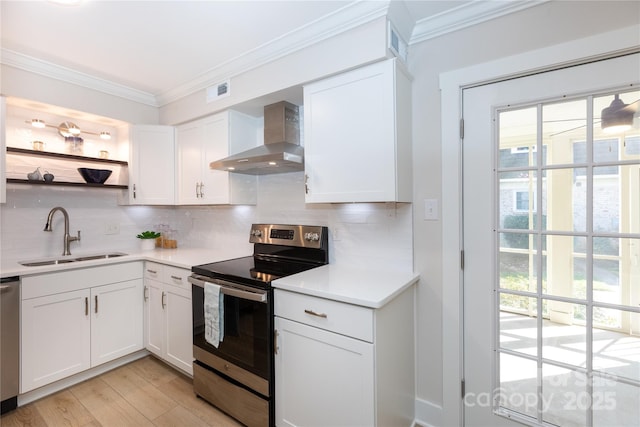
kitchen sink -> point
(54, 261)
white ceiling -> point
(157, 51)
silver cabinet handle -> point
(313, 313)
(164, 304)
(152, 271)
(306, 186)
(197, 190)
(134, 191)
(145, 293)
(201, 187)
(96, 304)
(86, 306)
(176, 278)
(275, 341)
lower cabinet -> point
(167, 314)
(72, 321)
(338, 364)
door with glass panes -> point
(551, 206)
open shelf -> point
(63, 156)
(63, 183)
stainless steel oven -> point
(237, 375)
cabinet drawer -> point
(153, 270)
(176, 276)
(346, 319)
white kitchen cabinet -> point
(168, 319)
(78, 319)
(116, 320)
(357, 136)
(55, 338)
(152, 165)
(212, 138)
(340, 364)
(3, 145)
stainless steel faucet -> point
(67, 238)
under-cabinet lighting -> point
(37, 123)
(231, 168)
(272, 163)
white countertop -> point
(365, 287)
(181, 257)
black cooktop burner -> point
(252, 270)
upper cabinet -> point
(152, 165)
(212, 138)
(357, 133)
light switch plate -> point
(431, 210)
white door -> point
(551, 242)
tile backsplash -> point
(361, 234)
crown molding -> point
(51, 70)
(344, 19)
(466, 15)
(351, 16)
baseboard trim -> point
(427, 414)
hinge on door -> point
(461, 260)
(461, 128)
(462, 389)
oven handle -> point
(227, 289)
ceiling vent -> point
(218, 91)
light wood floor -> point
(146, 392)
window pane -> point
(616, 199)
(562, 124)
(563, 340)
(563, 269)
(518, 384)
(517, 262)
(615, 403)
(517, 138)
(517, 194)
(616, 272)
(518, 323)
(617, 353)
(565, 397)
(563, 202)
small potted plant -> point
(148, 240)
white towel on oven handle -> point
(213, 314)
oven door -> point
(248, 322)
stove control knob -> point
(256, 233)
(311, 237)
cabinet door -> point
(322, 378)
(178, 328)
(56, 332)
(116, 320)
(152, 165)
(154, 317)
(189, 143)
(349, 127)
(3, 150)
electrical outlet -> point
(111, 228)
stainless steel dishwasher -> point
(9, 343)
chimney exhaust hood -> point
(281, 151)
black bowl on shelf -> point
(94, 176)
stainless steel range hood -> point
(281, 151)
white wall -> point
(369, 234)
(545, 25)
